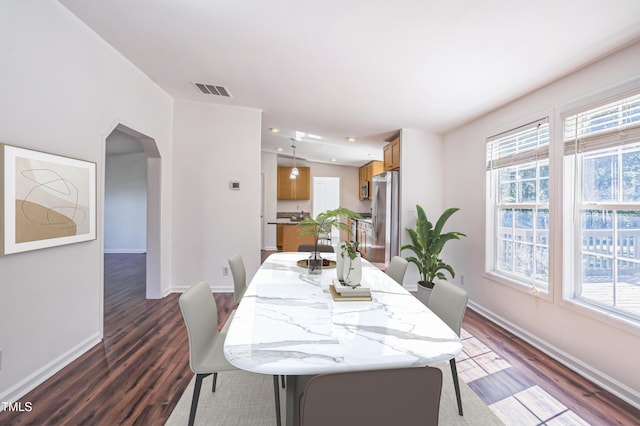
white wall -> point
(125, 203)
(215, 145)
(63, 91)
(269, 166)
(421, 182)
(599, 347)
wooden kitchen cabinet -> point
(279, 235)
(366, 174)
(377, 167)
(291, 237)
(363, 237)
(294, 189)
(391, 154)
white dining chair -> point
(397, 268)
(239, 276)
(206, 343)
(449, 302)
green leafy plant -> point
(351, 249)
(325, 222)
(427, 241)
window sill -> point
(609, 318)
(518, 285)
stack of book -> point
(341, 292)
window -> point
(518, 205)
(602, 158)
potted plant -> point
(324, 223)
(427, 241)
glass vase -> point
(314, 263)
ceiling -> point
(359, 68)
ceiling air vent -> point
(210, 89)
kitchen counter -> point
(366, 220)
(288, 237)
(283, 222)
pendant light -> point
(294, 171)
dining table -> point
(288, 324)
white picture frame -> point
(47, 200)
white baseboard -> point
(35, 379)
(168, 291)
(612, 385)
(410, 286)
(269, 248)
(216, 288)
(125, 251)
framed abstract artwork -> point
(47, 200)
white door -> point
(326, 196)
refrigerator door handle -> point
(375, 206)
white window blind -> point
(602, 152)
(518, 205)
(605, 126)
(519, 145)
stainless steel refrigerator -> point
(385, 217)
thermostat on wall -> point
(235, 185)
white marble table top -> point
(287, 323)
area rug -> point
(244, 398)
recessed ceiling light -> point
(351, 139)
(280, 150)
(334, 160)
(274, 129)
(302, 135)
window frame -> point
(493, 168)
(573, 206)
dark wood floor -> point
(512, 371)
(139, 371)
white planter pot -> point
(340, 262)
(352, 270)
(424, 293)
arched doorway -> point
(125, 141)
